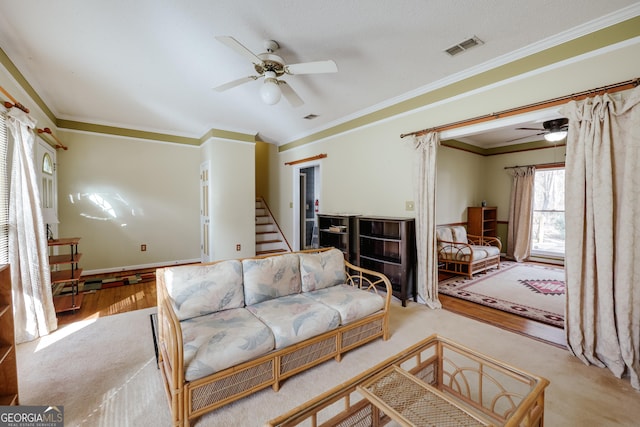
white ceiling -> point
(151, 65)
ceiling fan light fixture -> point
(557, 129)
(555, 136)
(270, 91)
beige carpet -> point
(104, 373)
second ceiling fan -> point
(271, 67)
(553, 130)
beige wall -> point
(118, 193)
(232, 197)
(369, 170)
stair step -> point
(273, 251)
(268, 241)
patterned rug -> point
(530, 290)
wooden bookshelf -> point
(8, 363)
(482, 221)
(66, 276)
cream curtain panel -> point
(520, 213)
(34, 313)
(426, 147)
(602, 198)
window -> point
(547, 235)
(4, 190)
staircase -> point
(269, 238)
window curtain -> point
(34, 313)
(603, 232)
(520, 213)
(425, 194)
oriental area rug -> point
(529, 290)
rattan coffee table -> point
(435, 382)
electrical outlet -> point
(143, 247)
(238, 247)
(409, 205)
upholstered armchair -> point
(466, 254)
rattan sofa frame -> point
(189, 400)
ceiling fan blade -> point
(528, 136)
(235, 83)
(530, 129)
(289, 94)
(316, 67)
(239, 48)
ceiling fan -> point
(271, 67)
(554, 130)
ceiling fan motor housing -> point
(556, 124)
(270, 62)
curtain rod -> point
(13, 102)
(548, 165)
(307, 159)
(59, 143)
(616, 87)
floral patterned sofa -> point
(229, 328)
(466, 254)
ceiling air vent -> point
(464, 45)
(310, 117)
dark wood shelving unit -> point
(338, 231)
(387, 245)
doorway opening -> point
(306, 203)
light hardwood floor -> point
(105, 302)
(143, 295)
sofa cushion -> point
(220, 340)
(295, 318)
(204, 288)
(459, 234)
(321, 270)
(272, 277)
(352, 303)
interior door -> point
(205, 220)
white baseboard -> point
(549, 260)
(139, 267)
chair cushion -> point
(459, 234)
(201, 289)
(444, 234)
(271, 277)
(321, 270)
(352, 303)
(295, 318)
(220, 340)
(463, 253)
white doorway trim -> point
(296, 197)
